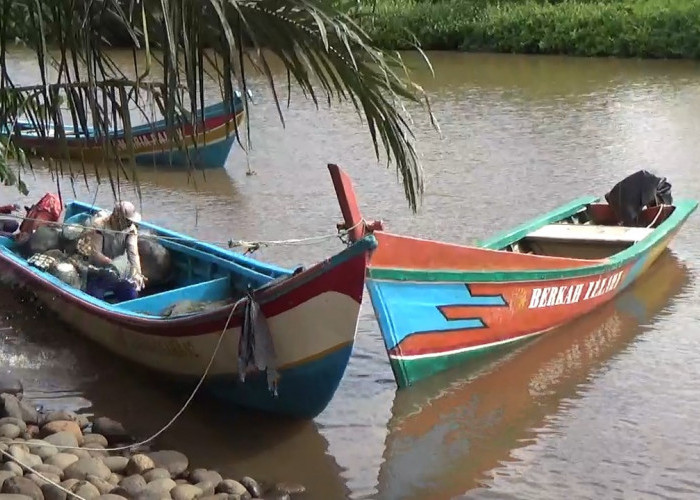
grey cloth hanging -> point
(255, 346)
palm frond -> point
(325, 53)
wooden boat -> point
(207, 147)
(312, 316)
(445, 435)
(439, 304)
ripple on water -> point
(521, 136)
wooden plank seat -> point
(590, 233)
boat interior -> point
(200, 274)
(594, 232)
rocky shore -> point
(61, 455)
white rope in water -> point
(177, 415)
(34, 471)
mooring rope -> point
(250, 246)
(179, 412)
(34, 471)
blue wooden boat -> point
(206, 145)
(312, 316)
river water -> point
(605, 407)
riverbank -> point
(621, 28)
(53, 455)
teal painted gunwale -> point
(684, 208)
(505, 238)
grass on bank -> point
(624, 28)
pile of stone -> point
(69, 450)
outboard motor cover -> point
(641, 189)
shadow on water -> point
(444, 435)
(235, 442)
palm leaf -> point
(325, 53)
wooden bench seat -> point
(590, 233)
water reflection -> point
(446, 433)
(236, 443)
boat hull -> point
(439, 304)
(312, 318)
(431, 325)
(207, 147)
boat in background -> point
(440, 304)
(312, 316)
(206, 147)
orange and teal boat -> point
(440, 304)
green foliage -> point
(625, 28)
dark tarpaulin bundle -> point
(255, 348)
(636, 191)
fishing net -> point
(156, 261)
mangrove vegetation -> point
(623, 28)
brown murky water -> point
(604, 408)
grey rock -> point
(96, 450)
(40, 481)
(16, 421)
(86, 490)
(138, 464)
(133, 485)
(4, 475)
(11, 496)
(206, 487)
(154, 474)
(199, 475)
(51, 492)
(83, 421)
(22, 486)
(161, 485)
(10, 431)
(110, 429)
(232, 487)
(30, 415)
(49, 469)
(116, 464)
(252, 486)
(150, 495)
(218, 496)
(111, 496)
(63, 439)
(60, 415)
(41, 448)
(120, 492)
(9, 406)
(85, 467)
(182, 481)
(10, 384)
(62, 460)
(18, 452)
(13, 467)
(174, 461)
(69, 483)
(32, 460)
(91, 439)
(102, 486)
(185, 492)
(80, 453)
(115, 478)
